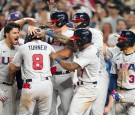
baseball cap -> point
(113, 5)
(14, 16)
(132, 12)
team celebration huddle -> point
(67, 65)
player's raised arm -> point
(22, 21)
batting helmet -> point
(128, 38)
(82, 17)
(33, 37)
(82, 36)
(61, 18)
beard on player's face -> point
(13, 39)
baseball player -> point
(8, 49)
(34, 60)
(87, 71)
(122, 72)
(82, 20)
(62, 79)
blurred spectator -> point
(129, 3)
(95, 23)
(131, 21)
(12, 6)
(27, 7)
(42, 14)
(2, 20)
(103, 13)
(113, 16)
(112, 39)
(107, 30)
(62, 5)
(126, 13)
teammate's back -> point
(36, 59)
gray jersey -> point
(90, 64)
(97, 39)
(2, 34)
(124, 66)
(59, 46)
(6, 55)
(112, 51)
(34, 59)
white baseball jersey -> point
(112, 51)
(59, 46)
(89, 61)
(34, 59)
(6, 55)
(2, 34)
(124, 66)
(97, 39)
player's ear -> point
(7, 34)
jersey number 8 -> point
(37, 61)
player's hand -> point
(53, 56)
(3, 96)
(33, 30)
(107, 109)
(116, 95)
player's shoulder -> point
(117, 56)
(68, 33)
(92, 49)
(94, 30)
(2, 43)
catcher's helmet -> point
(82, 17)
(61, 18)
(82, 36)
(128, 38)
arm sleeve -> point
(113, 77)
(26, 39)
(113, 82)
(19, 79)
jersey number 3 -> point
(37, 61)
(131, 79)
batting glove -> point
(116, 95)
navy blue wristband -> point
(58, 60)
(49, 33)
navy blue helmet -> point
(61, 18)
(83, 18)
(128, 38)
(82, 36)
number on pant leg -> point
(37, 61)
